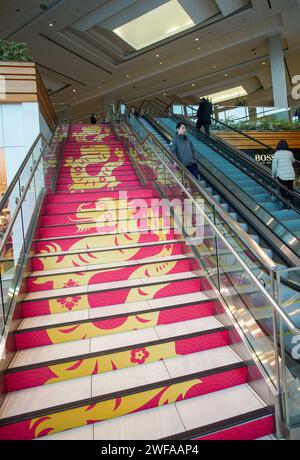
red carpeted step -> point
(87, 166)
(249, 431)
(62, 333)
(81, 300)
(108, 223)
(102, 275)
(102, 255)
(130, 176)
(111, 360)
(90, 195)
(63, 211)
(132, 400)
(88, 214)
(91, 243)
(100, 185)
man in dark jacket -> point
(93, 119)
(204, 115)
(184, 151)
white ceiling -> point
(82, 53)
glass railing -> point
(246, 282)
(289, 350)
(19, 209)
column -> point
(278, 71)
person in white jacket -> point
(283, 167)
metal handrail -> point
(17, 177)
(291, 326)
(20, 202)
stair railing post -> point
(281, 399)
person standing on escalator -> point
(204, 114)
(183, 149)
(283, 167)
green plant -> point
(241, 102)
(13, 51)
(264, 124)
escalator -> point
(232, 179)
(251, 203)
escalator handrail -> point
(250, 162)
(237, 131)
(292, 260)
(288, 322)
(267, 262)
(261, 169)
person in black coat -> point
(93, 119)
(204, 115)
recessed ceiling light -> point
(160, 63)
(196, 39)
(74, 90)
(140, 32)
(51, 24)
(226, 74)
(215, 66)
(199, 47)
(127, 76)
(164, 94)
(193, 84)
(157, 55)
(263, 63)
(232, 93)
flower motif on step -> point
(69, 302)
(71, 283)
(139, 356)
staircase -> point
(121, 336)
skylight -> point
(158, 24)
(222, 96)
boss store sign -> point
(265, 158)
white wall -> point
(20, 124)
(44, 128)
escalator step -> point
(225, 206)
(286, 214)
